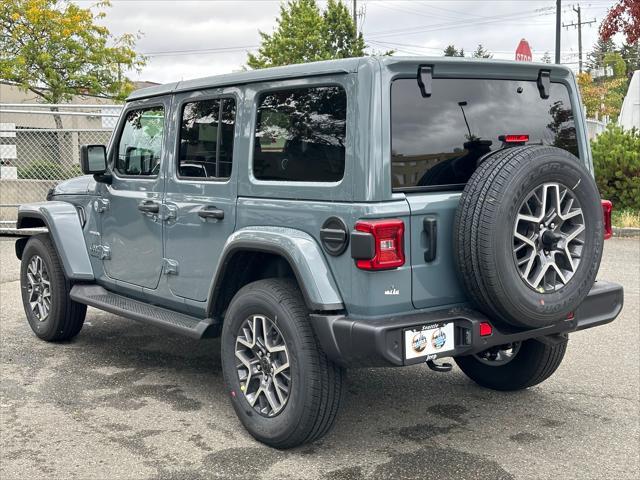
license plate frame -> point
(432, 340)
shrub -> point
(616, 159)
(46, 170)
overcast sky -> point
(189, 39)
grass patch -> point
(626, 218)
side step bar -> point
(98, 297)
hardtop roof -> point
(347, 65)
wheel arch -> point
(62, 222)
(254, 253)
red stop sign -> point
(523, 52)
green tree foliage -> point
(56, 49)
(481, 52)
(631, 56)
(616, 62)
(452, 51)
(595, 59)
(305, 34)
(616, 158)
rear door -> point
(200, 200)
(438, 142)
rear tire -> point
(535, 361)
(51, 313)
(314, 390)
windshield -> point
(437, 141)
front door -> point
(131, 227)
(201, 190)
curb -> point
(626, 232)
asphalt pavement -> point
(125, 400)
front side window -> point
(206, 138)
(440, 140)
(300, 135)
(140, 145)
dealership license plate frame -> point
(432, 338)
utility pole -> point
(558, 30)
(355, 17)
(578, 25)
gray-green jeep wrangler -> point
(358, 212)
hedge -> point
(616, 159)
(46, 170)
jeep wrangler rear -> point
(360, 212)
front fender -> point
(299, 249)
(61, 218)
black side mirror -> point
(93, 159)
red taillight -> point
(520, 138)
(485, 329)
(388, 240)
(607, 207)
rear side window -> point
(140, 143)
(438, 141)
(206, 139)
(300, 135)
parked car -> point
(359, 212)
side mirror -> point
(93, 159)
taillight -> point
(388, 241)
(607, 207)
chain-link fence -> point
(39, 148)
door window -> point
(206, 139)
(300, 135)
(140, 144)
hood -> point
(75, 186)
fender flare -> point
(299, 249)
(61, 219)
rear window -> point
(436, 142)
(300, 135)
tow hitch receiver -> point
(439, 367)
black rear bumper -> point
(379, 341)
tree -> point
(451, 51)
(546, 58)
(631, 56)
(616, 62)
(304, 34)
(56, 49)
(603, 98)
(623, 17)
(481, 52)
(595, 59)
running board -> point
(98, 297)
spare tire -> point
(528, 235)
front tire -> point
(515, 366)
(51, 313)
(270, 317)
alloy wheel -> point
(263, 365)
(548, 237)
(39, 288)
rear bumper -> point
(379, 341)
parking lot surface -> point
(125, 400)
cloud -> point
(410, 27)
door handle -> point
(431, 229)
(149, 206)
(211, 212)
